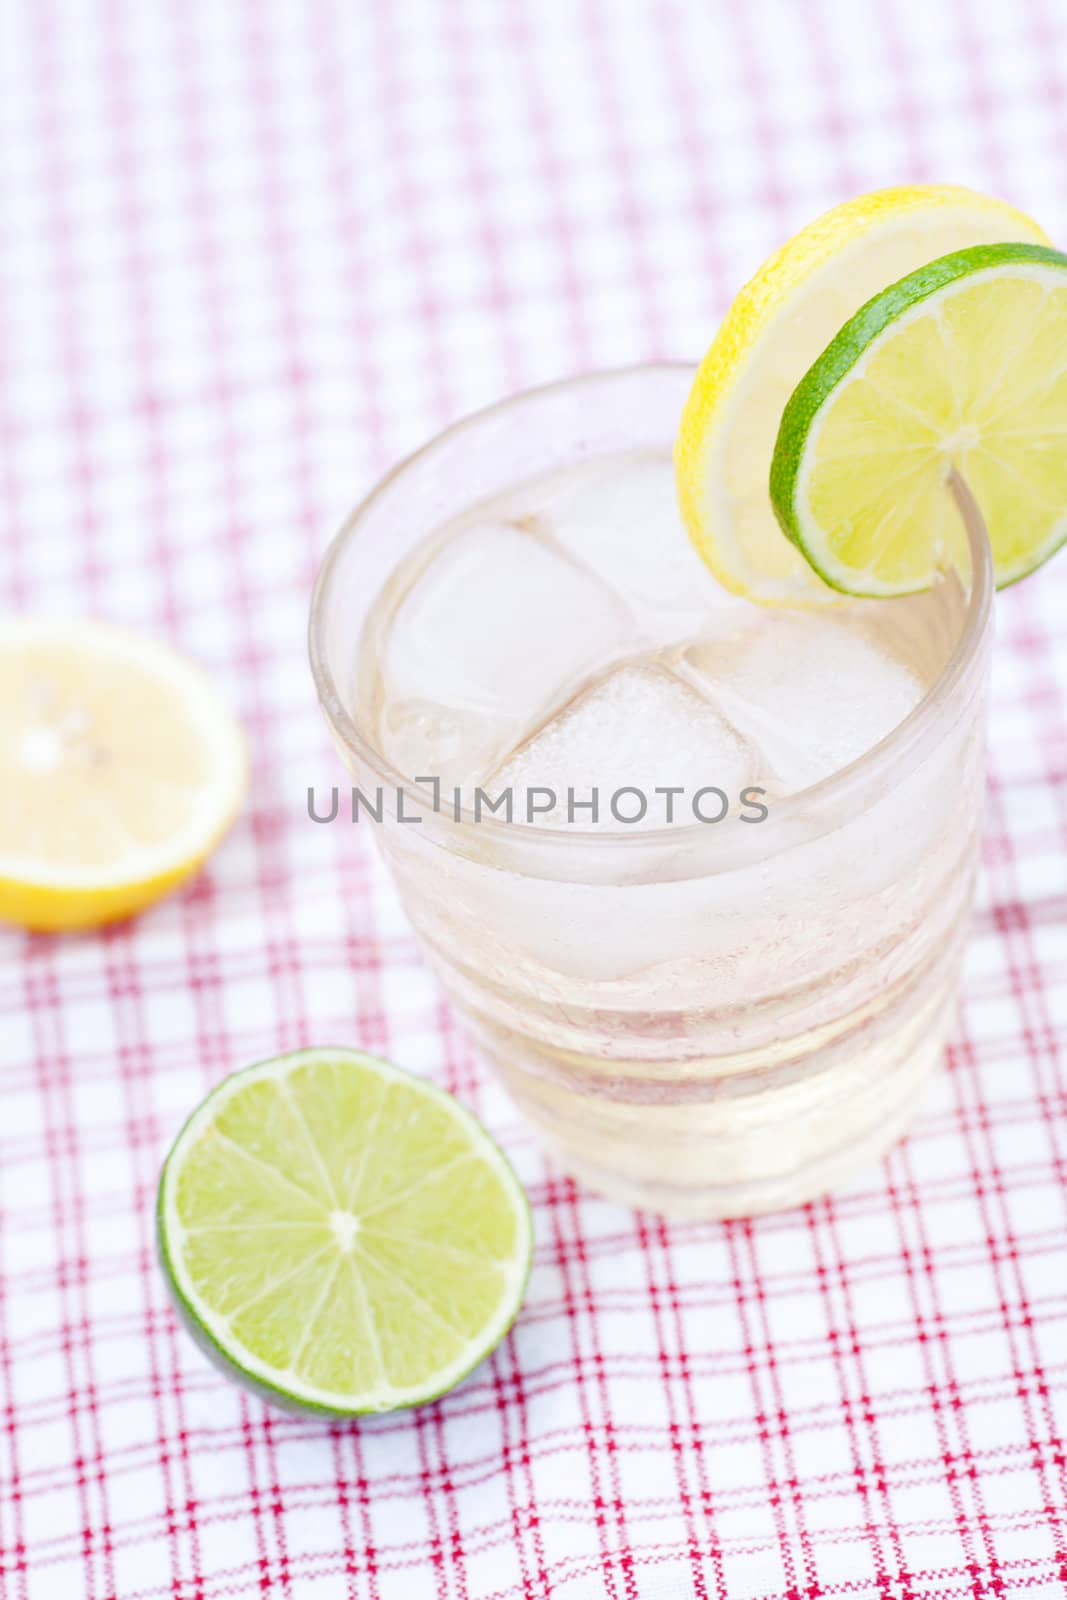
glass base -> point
(703, 1141)
(726, 1202)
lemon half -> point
(120, 769)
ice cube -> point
(639, 728)
(810, 693)
(620, 518)
(498, 629)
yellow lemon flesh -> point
(119, 771)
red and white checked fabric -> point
(251, 252)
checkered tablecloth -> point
(251, 252)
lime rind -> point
(293, 1394)
(798, 432)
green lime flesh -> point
(341, 1235)
(828, 376)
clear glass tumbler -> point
(697, 1023)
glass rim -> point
(866, 772)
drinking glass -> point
(698, 1020)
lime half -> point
(344, 1235)
(962, 364)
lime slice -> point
(960, 364)
(344, 1235)
(776, 327)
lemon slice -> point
(119, 770)
(342, 1235)
(779, 324)
(960, 365)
